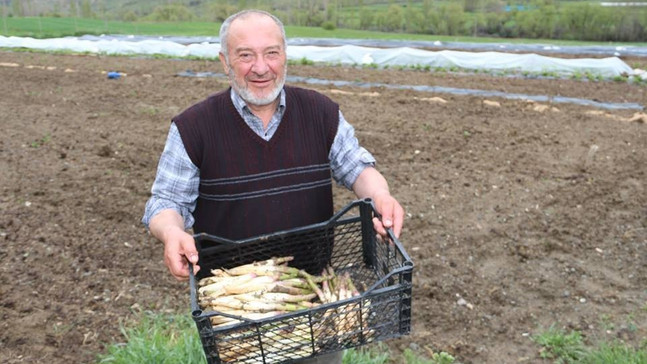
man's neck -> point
(264, 112)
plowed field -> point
(520, 215)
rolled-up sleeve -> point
(347, 158)
(176, 182)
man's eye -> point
(245, 56)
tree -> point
(392, 19)
(4, 16)
(452, 19)
(86, 9)
(129, 16)
(471, 6)
(366, 18)
(221, 10)
(415, 19)
(16, 8)
(74, 9)
(171, 12)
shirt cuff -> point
(155, 205)
(348, 178)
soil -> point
(520, 215)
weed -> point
(577, 75)
(150, 111)
(606, 322)
(566, 348)
(157, 339)
(306, 62)
(377, 355)
(40, 142)
(615, 353)
(436, 358)
(549, 74)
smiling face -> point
(256, 59)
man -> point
(257, 158)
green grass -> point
(170, 339)
(41, 27)
(616, 353)
(157, 339)
(563, 347)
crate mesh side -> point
(345, 325)
(349, 246)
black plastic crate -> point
(380, 268)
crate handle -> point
(195, 308)
(389, 231)
(407, 267)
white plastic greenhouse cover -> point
(344, 54)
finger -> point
(189, 250)
(177, 265)
(188, 254)
(386, 210)
(379, 228)
(176, 254)
(398, 220)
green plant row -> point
(55, 27)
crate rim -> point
(335, 218)
(407, 262)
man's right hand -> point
(179, 247)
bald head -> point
(257, 18)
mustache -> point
(232, 75)
(261, 78)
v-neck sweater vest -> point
(249, 186)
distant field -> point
(41, 27)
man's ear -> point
(223, 61)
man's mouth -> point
(261, 82)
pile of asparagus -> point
(267, 288)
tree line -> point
(538, 19)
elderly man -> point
(257, 157)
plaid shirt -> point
(177, 180)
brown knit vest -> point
(249, 186)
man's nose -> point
(260, 65)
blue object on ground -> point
(114, 75)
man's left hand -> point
(392, 214)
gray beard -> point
(249, 97)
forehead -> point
(254, 30)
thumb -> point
(189, 250)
